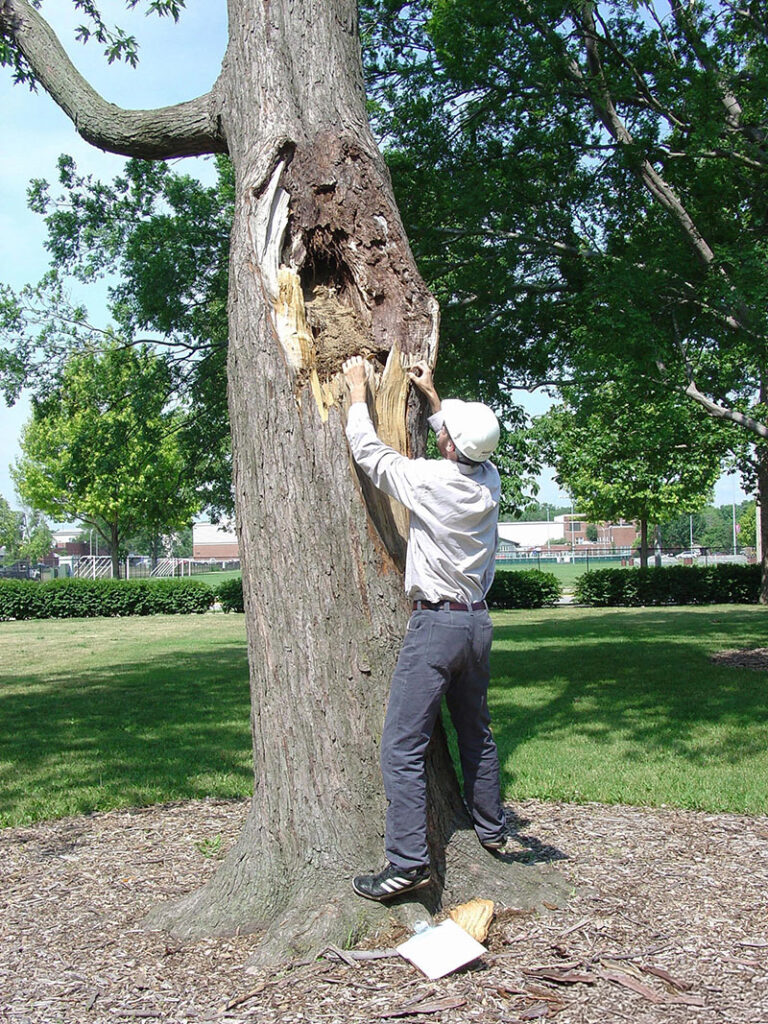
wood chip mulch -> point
(755, 658)
(668, 922)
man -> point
(454, 506)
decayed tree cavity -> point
(319, 268)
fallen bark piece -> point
(575, 927)
(428, 1006)
(540, 992)
(623, 967)
(342, 954)
(560, 975)
(535, 1012)
(685, 1000)
(239, 1000)
(474, 917)
(659, 972)
(507, 992)
(620, 978)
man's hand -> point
(420, 375)
(356, 375)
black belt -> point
(448, 606)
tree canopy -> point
(585, 186)
(102, 448)
(163, 240)
(11, 528)
(573, 179)
(623, 453)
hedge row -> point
(230, 594)
(528, 588)
(677, 584)
(78, 598)
(531, 588)
(524, 588)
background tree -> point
(102, 448)
(37, 540)
(319, 268)
(611, 213)
(163, 240)
(177, 544)
(748, 524)
(623, 455)
(11, 525)
(712, 528)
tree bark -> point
(114, 550)
(762, 521)
(643, 543)
(321, 269)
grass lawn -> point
(104, 713)
(611, 705)
(214, 578)
(622, 705)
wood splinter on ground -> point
(474, 917)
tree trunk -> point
(643, 543)
(762, 521)
(114, 549)
(320, 269)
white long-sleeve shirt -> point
(454, 513)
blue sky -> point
(178, 62)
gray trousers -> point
(443, 653)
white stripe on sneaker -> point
(393, 884)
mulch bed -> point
(755, 658)
(669, 922)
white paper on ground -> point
(438, 951)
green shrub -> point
(78, 598)
(230, 594)
(677, 584)
(19, 599)
(524, 588)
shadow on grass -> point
(640, 677)
(163, 728)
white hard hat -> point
(473, 427)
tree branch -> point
(732, 107)
(185, 129)
(724, 413)
(605, 109)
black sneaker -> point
(504, 846)
(391, 881)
